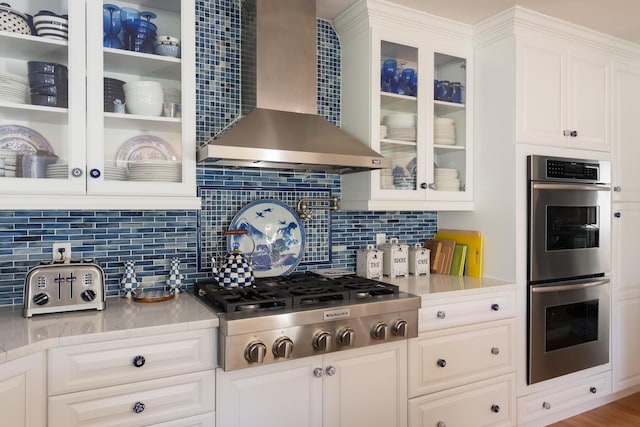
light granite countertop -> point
(431, 285)
(122, 318)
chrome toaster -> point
(69, 285)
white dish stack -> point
(446, 179)
(444, 131)
(155, 171)
(13, 88)
(401, 126)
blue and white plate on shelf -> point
(277, 232)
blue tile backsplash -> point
(152, 238)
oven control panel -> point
(572, 170)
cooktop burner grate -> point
(300, 289)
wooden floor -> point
(621, 413)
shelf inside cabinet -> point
(36, 113)
(391, 147)
(142, 64)
(445, 148)
(443, 107)
(142, 123)
(398, 103)
(28, 48)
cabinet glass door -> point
(449, 124)
(40, 108)
(399, 115)
(136, 98)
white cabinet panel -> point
(23, 397)
(137, 404)
(86, 366)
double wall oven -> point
(568, 264)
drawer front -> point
(137, 404)
(204, 420)
(443, 359)
(449, 312)
(559, 399)
(87, 366)
(485, 403)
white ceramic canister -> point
(396, 258)
(419, 260)
(369, 262)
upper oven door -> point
(569, 230)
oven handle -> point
(563, 186)
(539, 289)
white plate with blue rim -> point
(275, 237)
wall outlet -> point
(57, 247)
(381, 239)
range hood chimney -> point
(279, 127)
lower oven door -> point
(568, 327)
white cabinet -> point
(365, 386)
(626, 133)
(563, 94)
(23, 395)
(465, 357)
(421, 127)
(99, 154)
(134, 381)
(626, 295)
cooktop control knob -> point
(41, 298)
(346, 336)
(400, 328)
(255, 352)
(88, 295)
(282, 347)
(322, 341)
(379, 331)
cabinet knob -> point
(574, 133)
(331, 370)
(617, 214)
(95, 173)
(593, 390)
(495, 307)
(282, 347)
(495, 350)
(617, 189)
(76, 172)
(495, 408)
(255, 352)
(424, 185)
(138, 361)
(441, 314)
(442, 363)
(441, 424)
(138, 407)
(432, 186)
(571, 133)
(546, 405)
(317, 372)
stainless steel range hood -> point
(279, 127)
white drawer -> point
(559, 399)
(443, 359)
(164, 399)
(204, 420)
(87, 366)
(457, 311)
(486, 403)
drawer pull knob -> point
(138, 407)
(441, 424)
(138, 361)
(593, 390)
(495, 350)
(317, 372)
(495, 307)
(546, 405)
(331, 370)
(495, 408)
(441, 314)
(442, 363)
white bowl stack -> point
(444, 131)
(51, 26)
(400, 126)
(144, 97)
(446, 179)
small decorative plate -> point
(144, 148)
(22, 140)
(277, 233)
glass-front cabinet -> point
(126, 138)
(415, 80)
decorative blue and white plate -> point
(22, 140)
(277, 233)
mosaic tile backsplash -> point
(152, 238)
